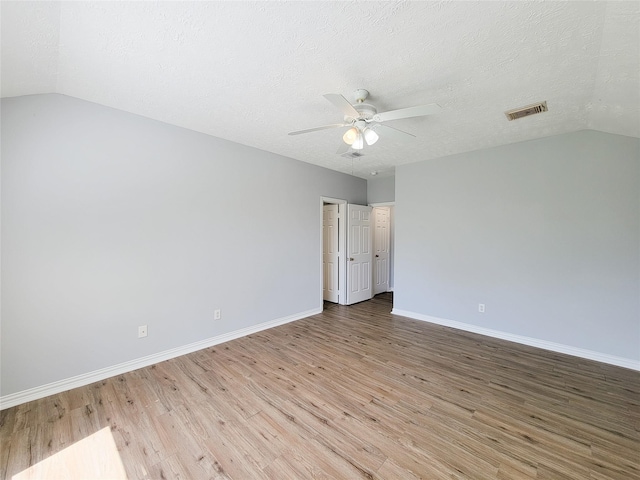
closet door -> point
(381, 240)
(330, 253)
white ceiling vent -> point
(517, 113)
(352, 155)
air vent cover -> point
(517, 113)
(352, 155)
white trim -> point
(533, 342)
(383, 204)
(332, 200)
(97, 375)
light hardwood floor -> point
(354, 392)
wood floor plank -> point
(19, 453)
(354, 392)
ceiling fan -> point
(366, 122)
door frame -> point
(342, 247)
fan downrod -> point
(360, 95)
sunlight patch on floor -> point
(95, 457)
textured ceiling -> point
(253, 71)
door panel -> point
(330, 255)
(381, 219)
(359, 254)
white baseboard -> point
(97, 375)
(532, 342)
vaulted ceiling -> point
(251, 72)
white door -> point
(381, 237)
(330, 256)
(358, 254)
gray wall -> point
(111, 220)
(381, 190)
(546, 233)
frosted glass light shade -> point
(350, 136)
(358, 143)
(370, 136)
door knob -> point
(377, 256)
(351, 259)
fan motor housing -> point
(366, 111)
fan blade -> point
(324, 127)
(386, 131)
(343, 104)
(344, 148)
(408, 112)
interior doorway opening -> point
(333, 248)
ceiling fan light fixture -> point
(358, 119)
(358, 143)
(350, 136)
(370, 136)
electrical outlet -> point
(142, 331)
(217, 314)
(481, 307)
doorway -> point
(333, 248)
